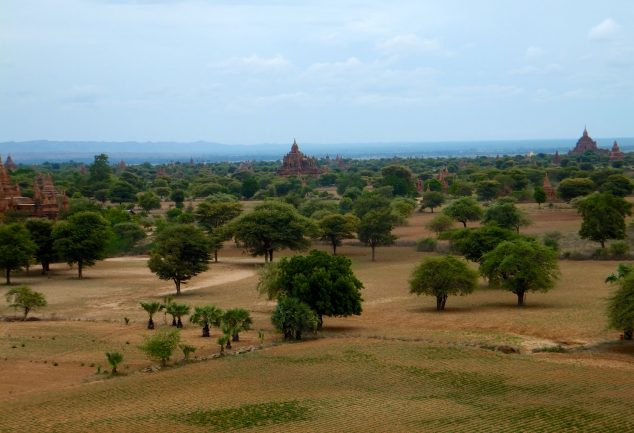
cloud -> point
(252, 63)
(408, 44)
(606, 29)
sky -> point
(265, 71)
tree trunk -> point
(179, 324)
(150, 323)
(464, 224)
(174, 321)
(444, 301)
(271, 256)
(114, 370)
(236, 337)
(334, 249)
(206, 330)
(520, 299)
(216, 255)
(602, 244)
(80, 269)
(228, 343)
(432, 209)
(8, 276)
(177, 283)
(373, 247)
(26, 312)
(441, 300)
(298, 335)
(628, 334)
(320, 321)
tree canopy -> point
(603, 217)
(336, 227)
(25, 298)
(621, 307)
(506, 215)
(375, 229)
(463, 210)
(16, 248)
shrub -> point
(161, 345)
(292, 317)
(619, 249)
(114, 359)
(426, 245)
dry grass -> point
(400, 366)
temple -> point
(615, 153)
(295, 163)
(46, 202)
(551, 196)
(586, 144)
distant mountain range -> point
(158, 152)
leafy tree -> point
(432, 199)
(238, 320)
(400, 178)
(205, 316)
(177, 311)
(178, 197)
(249, 187)
(464, 209)
(293, 318)
(441, 277)
(474, 243)
(81, 239)
(521, 266)
(348, 180)
(572, 187)
(122, 192)
(375, 229)
(488, 189)
(187, 350)
(180, 253)
(272, 226)
(161, 346)
(506, 215)
(402, 208)
(24, 298)
(603, 216)
(114, 359)
(126, 235)
(539, 195)
(622, 271)
(100, 173)
(148, 200)
(370, 201)
(336, 227)
(151, 308)
(212, 215)
(621, 307)
(41, 232)
(618, 185)
(440, 223)
(16, 248)
(325, 283)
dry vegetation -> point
(400, 366)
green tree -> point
(99, 174)
(212, 215)
(16, 248)
(621, 307)
(81, 239)
(334, 228)
(114, 359)
(370, 201)
(431, 200)
(440, 223)
(400, 178)
(272, 226)
(603, 216)
(487, 189)
(151, 308)
(178, 197)
(293, 318)
(402, 208)
(148, 200)
(237, 320)
(441, 277)
(474, 243)
(177, 311)
(506, 215)
(572, 187)
(463, 210)
(24, 298)
(122, 192)
(249, 187)
(375, 229)
(325, 283)
(618, 185)
(161, 346)
(521, 266)
(126, 236)
(206, 316)
(41, 232)
(539, 195)
(180, 253)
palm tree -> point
(238, 319)
(205, 316)
(169, 309)
(228, 331)
(222, 341)
(179, 310)
(114, 359)
(151, 308)
(167, 301)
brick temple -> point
(295, 163)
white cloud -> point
(409, 43)
(252, 63)
(606, 29)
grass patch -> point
(248, 415)
(550, 349)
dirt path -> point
(228, 276)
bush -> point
(551, 239)
(161, 345)
(619, 249)
(426, 245)
(292, 317)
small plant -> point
(187, 350)
(161, 345)
(151, 308)
(426, 245)
(619, 249)
(126, 320)
(221, 342)
(114, 359)
(261, 336)
(24, 298)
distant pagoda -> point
(615, 153)
(586, 144)
(551, 196)
(295, 163)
